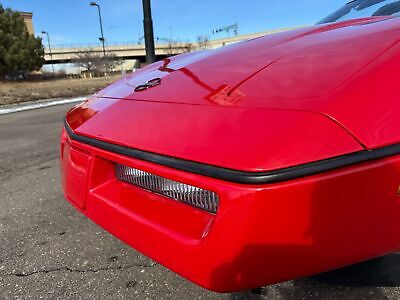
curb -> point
(13, 108)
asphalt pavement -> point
(48, 250)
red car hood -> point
(247, 139)
(269, 103)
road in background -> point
(49, 250)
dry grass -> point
(15, 92)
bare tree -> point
(203, 41)
(188, 47)
(112, 62)
(88, 60)
(95, 64)
(175, 46)
(171, 47)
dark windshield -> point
(363, 9)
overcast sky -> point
(74, 21)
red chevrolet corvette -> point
(263, 161)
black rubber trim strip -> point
(240, 176)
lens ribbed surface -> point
(179, 191)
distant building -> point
(28, 21)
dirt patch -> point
(15, 92)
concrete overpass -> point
(67, 54)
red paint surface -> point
(237, 138)
(274, 102)
(347, 70)
(261, 234)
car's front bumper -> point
(261, 234)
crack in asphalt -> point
(72, 270)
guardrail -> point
(88, 45)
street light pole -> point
(51, 54)
(148, 32)
(102, 39)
